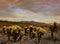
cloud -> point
(36, 10)
(10, 14)
(16, 14)
(32, 5)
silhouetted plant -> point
(31, 30)
(8, 33)
(53, 29)
(3, 30)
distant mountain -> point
(34, 23)
(23, 23)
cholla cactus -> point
(53, 29)
(4, 30)
(54, 26)
(40, 33)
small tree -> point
(53, 29)
(54, 26)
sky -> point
(30, 10)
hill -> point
(23, 23)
